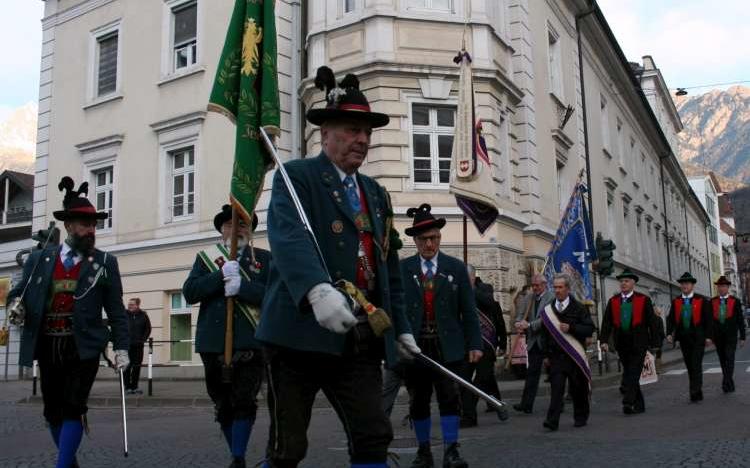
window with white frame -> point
(105, 81)
(626, 224)
(555, 62)
(349, 5)
(562, 196)
(104, 193)
(611, 220)
(432, 143)
(182, 163)
(639, 237)
(184, 35)
(180, 328)
(620, 142)
(630, 157)
(604, 113)
(446, 5)
(649, 250)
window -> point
(620, 142)
(606, 143)
(185, 35)
(626, 224)
(631, 156)
(104, 190)
(432, 143)
(180, 328)
(562, 196)
(639, 237)
(106, 63)
(431, 4)
(713, 235)
(555, 63)
(611, 222)
(183, 182)
(710, 206)
(349, 6)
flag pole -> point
(226, 371)
(466, 245)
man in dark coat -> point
(441, 308)
(494, 340)
(69, 286)
(630, 321)
(314, 338)
(213, 279)
(567, 326)
(139, 327)
(727, 322)
(690, 322)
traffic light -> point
(605, 249)
(47, 237)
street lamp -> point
(681, 92)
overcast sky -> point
(694, 42)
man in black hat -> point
(690, 323)
(315, 338)
(441, 308)
(727, 321)
(213, 279)
(630, 321)
(64, 330)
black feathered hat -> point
(343, 101)
(723, 280)
(687, 278)
(74, 205)
(226, 215)
(626, 273)
(423, 220)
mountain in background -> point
(18, 139)
(716, 136)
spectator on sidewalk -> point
(139, 327)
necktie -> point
(428, 265)
(723, 311)
(687, 312)
(352, 195)
(559, 306)
(68, 262)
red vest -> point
(638, 300)
(366, 240)
(61, 302)
(697, 303)
(716, 303)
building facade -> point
(122, 105)
(707, 189)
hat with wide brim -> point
(344, 101)
(627, 274)
(75, 206)
(723, 280)
(226, 215)
(423, 220)
(687, 278)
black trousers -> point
(237, 399)
(483, 373)
(533, 373)
(632, 366)
(563, 369)
(421, 380)
(692, 354)
(133, 371)
(66, 380)
(725, 348)
(353, 385)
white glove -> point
(121, 359)
(230, 269)
(331, 309)
(232, 286)
(406, 346)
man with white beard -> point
(211, 281)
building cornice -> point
(73, 12)
(101, 143)
(174, 123)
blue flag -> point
(572, 250)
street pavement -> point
(672, 433)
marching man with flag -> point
(630, 320)
(213, 279)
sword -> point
(124, 414)
(498, 405)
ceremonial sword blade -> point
(293, 195)
(124, 415)
(492, 401)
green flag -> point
(246, 90)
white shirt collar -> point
(562, 304)
(628, 295)
(689, 296)
(343, 175)
(64, 253)
(724, 297)
(434, 261)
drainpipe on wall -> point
(666, 224)
(297, 46)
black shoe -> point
(522, 409)
(451, 458)
(696, 397)
(627, 409)
(550, 425)
(468, 422)
(579, 423)
(75, 464)
(238, 462)
(502, 414)
(424, 457)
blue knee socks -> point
(71, 434)
(241, 429)
(449, 424)
(422, 430)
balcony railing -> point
(15, 216)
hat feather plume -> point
(350, 82)
(325, 79)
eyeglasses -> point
(434, 239)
